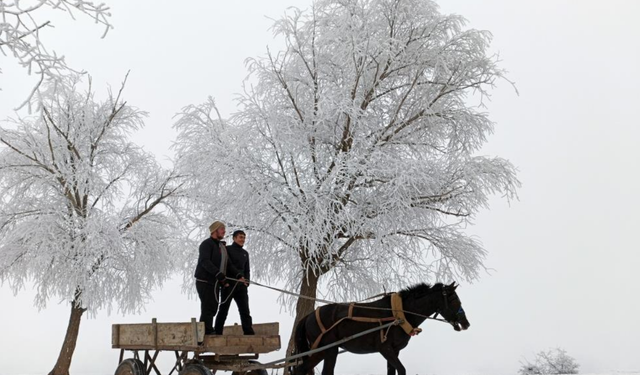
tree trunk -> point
(309, 288)
(70, 339)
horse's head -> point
(450, 307)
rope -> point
(215, 288)
(322, 348)
(339, 303)
(228, 297)
(336, 343)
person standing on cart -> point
(238, 291)
(213, 266)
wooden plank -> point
(154, 323)
(115, 335)
(182, 336)
(136, 335)
(194, 332)
(262, 329)
(157, 335)
(169, 347)
(171, 334)
(245, 349)
(229, 344)
(273, 341)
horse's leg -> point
(313, 361)
(390, 369)
(330, 356)
(393, 362)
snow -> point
(83, 211)
(353, 153)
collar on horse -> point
(397, 312)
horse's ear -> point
(453, 285)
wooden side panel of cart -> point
(161, 336)
(186, 336)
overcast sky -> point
(564, 257)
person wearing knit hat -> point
(215, 226)
(211, 270)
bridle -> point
(445, 297)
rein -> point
(348, 303)
(215, 285)
(317, 350)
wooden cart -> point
(195, 353)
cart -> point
(195, 353)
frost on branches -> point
(82, 213)
(353, 156)
(551, 362)
(21, 26)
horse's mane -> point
(419, 290)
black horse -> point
(418, 302)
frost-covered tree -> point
(21, 26)
(83, 214)
(551, 362)
(353, 157)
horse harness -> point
(396, 309)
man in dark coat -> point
(213, 266)
(240, 259)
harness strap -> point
(372, 320)
(397, 315)
(322, 329)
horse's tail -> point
(301, 345)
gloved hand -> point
(222, 279)
(244, 281)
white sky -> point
(564, 257)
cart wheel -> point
(130, 366)
(195, 369)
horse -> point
(419, 302)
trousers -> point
(241, 296)
(208, 304)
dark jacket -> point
(240, 259)
(208, 268)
